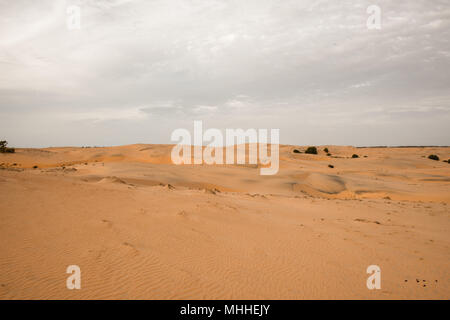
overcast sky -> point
(137, 70)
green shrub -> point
(297, 151)
(329, 154)
(311, 150)
(354, 156)
(325, 150)
(433, 157)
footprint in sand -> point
(108, 223)
(182, 213)
(423, 283)
(131, 246)
(366, 221)
(167, 186)
(211, 191)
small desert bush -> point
(325, 150)
(433, 157)
(330, 166)
(4, 149)
(354, 156)
(311, 150)
(297, 151)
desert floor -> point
(140, 227)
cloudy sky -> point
(137, 70)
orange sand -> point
(142, 228)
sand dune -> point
(140, 227)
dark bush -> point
(330, 166)
(35, 167)
(3, 145)
(311, 150)
(325, 150)
(433, 157)
(4, 149)
(329, 154)
(297, 151)
(354, 156)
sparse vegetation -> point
(329, 154)
(325, 150)
(311, 150)
(354, 156)
(4, 148)
(297, 151)
(330, 166)
(35, 167)
(433, 157)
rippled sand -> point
(141, 227)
